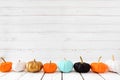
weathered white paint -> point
(72, 75)
(111, 76)
(54, 29)
(91, 76)
(52, 76)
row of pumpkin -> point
(63, 66)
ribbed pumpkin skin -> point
(49, 67)
(82, 67)
(99, 67)
(34, 66)
(65, 66)
(19, 66)
(6, 67)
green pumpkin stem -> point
(81, 59)
(3, 59)
(113, 58)
(99, 58)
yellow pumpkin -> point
(34, 66)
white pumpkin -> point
(113, 65)
(19, 66)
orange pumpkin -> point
(5, 66)
(49, 67)
(99, 67)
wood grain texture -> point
(12, 76)
(52, 76)
(89, 76)
(57, 75)
(60, 28)
(72, 75)
(109, 76)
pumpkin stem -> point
(34, 60)
(81, 59)
(65, 59)
(50, 61)
(99, 58)
(19, 61)
(3, 59)
(113, 58)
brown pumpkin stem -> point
(65, 59)
(99, 58)
(34, 60)
(113, 58)
(19, 61)
(50, 61)
(3, 59)
(81, 59)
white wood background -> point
(54, 29)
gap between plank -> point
(116, 73)
(82, 76)
(21, 76)
(101, 76)
(42, 76)
(61, 75)
(4, 74)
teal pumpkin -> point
(65, 66)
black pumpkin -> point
(82, 67)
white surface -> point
(12, 76)
(54, 29)
(57, 76)
(111, 76)
(32, 76)
(52, 76)
(91, 76)
(72, 75)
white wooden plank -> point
(52, 76)
(61, 37)
(91, 76)
(2, 74)
(61, 0)
(60, 44)
(59, 11)
(59, 54)
(72, 76)
(58, 28)
(37, 3)
(32, 76)
(110, 76)
(12, 76)
(81, 20)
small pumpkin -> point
(49, 67)
(99, 67)
(65, 65)
(34, 66)
(5, 66)
(113, 65)
(19, 66)
(81, 66)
